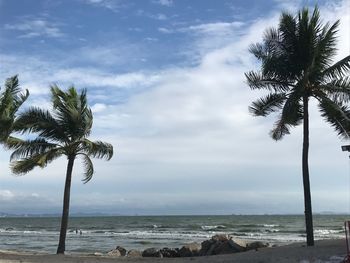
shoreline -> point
(330, 251)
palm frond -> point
(337, 89)
(339, 69)
(10, 101)
(280, 129)
(42, 122)
(27, 164)
(258, 81)
(97, 149)
(20, 99)
(5, 128)
(71, 111)
(88, 168)
(337, 114)
(24, 165)
(8, 95)
(292, 114)
(268, 104)
(24, 148)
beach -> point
(324, 251)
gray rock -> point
(117, 252)
(121, 250)
(152, 252)
(238, 245)
(190, 250)
(224, 248)
(114, 253)
(257, 244)
(170, 252)
(206, 245)
(133, 253)
(212, 248)
(220, 237)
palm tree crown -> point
(10, 101)
(63, 131)
(296, 65)
(297, 62)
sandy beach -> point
(330, 251)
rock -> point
(133, 253)
(220, 237)
(212, 248)
(152, 252)
(224, 248)
(117, 252)
(206, 245)
(257, 244)
(190, 250)
(170, 252)
(121, 250)
(114, 253)
(238, 245)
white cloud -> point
(37, 75)
(164, 2)
(217, 28)
(160, 17)
(113, 5)
(98, 107)
(165, 30)
(120, 52)
(36, 27)
(6, 195)
(95, 78)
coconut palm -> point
(62, 131)
(11, 100)
(296, 65)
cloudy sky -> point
(165, 80)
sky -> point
(165, 81)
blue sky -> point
(165, 80)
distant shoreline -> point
(325, 250)
(54, 215)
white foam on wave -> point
(213, 227)
(270, 225)
(327, 231)
(139, 234)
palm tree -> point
(63, 131)
(297, 64)
(10, 101)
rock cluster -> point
(217, 245)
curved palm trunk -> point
(306, 180)
(64, 221)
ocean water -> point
(101, 234)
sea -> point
(102, 234)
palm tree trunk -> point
(306, 179)
(64, 221)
